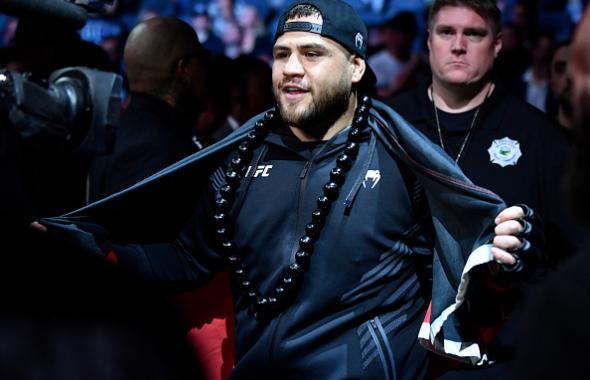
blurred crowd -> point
(532, 31)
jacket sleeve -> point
(463, 221)
(189, 260)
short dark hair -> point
(485, 8)
(302, 10)
(404, 22)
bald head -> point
(153, 50)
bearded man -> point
(561, 84)
(314, 215)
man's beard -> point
(565, 103)
(326, 108)
(578, 183)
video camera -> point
(78, 104)
(73, 12)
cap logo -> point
(358, 41)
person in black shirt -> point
(500, 142)
(167, 70)
(167, 93)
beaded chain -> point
(265, 307)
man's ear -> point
(183, 68)
(359, 66)
(497, 45)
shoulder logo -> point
(372, 178)
(504, 152)
(359, 40)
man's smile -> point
(293, 92)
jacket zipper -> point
(303, 176)
(278, 320)
(305, 170)
(302, 187)
(383, 348)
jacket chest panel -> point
(371, 214)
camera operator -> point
(15, 202)
(84, 328)
(53, 169)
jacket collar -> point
(284, 137)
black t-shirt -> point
(514, 150)
(455, 129)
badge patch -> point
(504, 152)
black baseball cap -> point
(340, 23)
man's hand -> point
(507, 228)
(80, 237)
(519, 239)
(38, 226)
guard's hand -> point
(519, 241)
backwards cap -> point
(340, 23)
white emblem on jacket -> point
(372, 178)
(504, 152)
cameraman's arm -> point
(15, 201)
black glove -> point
(531, 255)
(81, 237)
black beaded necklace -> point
(265, 307)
